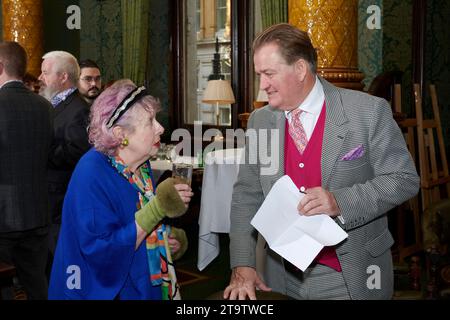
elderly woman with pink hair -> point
(114, 241)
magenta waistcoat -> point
(305, 170)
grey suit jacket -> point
(364, 188)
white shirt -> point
(311, 106)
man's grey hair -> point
(64, 62)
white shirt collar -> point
(313, 102)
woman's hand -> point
(185, 192)
(178, 242)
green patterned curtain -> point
(273, 11)
(135, 39)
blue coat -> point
(95, 256)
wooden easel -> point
(435, 190)
(432, 176)
(411, 207)
(420, 138)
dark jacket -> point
(25, 139)
(70, 143)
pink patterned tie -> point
(297, 132)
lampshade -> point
(261, 100)
(218, 91)
(262, 96)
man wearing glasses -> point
(90, 83)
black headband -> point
(126, 103)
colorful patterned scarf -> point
(162, 271)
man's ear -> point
(2, 68)
(301, 68)
(64, 77)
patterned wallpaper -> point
(370, 43)
(437, 61)
(159, 59)
(101, 36)
(101, 40)
(56, 34)
(397, 40)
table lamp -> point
(261, 100)
(218, 92)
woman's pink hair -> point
(101, 137)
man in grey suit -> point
(26, 131)
(343, 149)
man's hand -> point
(242, 284)
(318, 200)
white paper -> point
(295, 237)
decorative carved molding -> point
(345, 78)
(333, 28)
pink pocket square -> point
(354, 154)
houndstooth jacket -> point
(365, 188)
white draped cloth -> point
(220, 173)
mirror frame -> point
(242, 65)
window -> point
(222, 13)
(196, 28)
(211, 32)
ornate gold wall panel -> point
(22, 22)
(333, 28)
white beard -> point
(48, 93)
